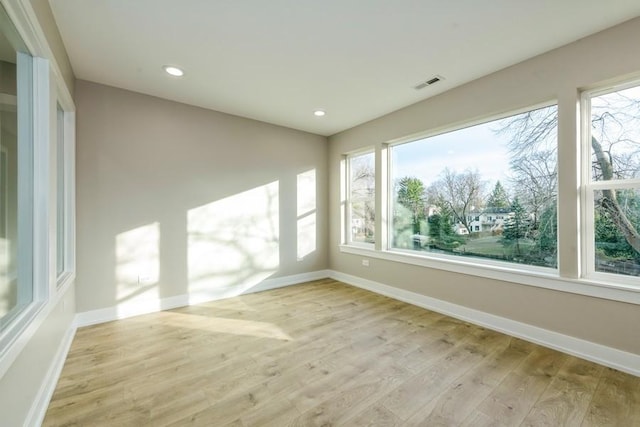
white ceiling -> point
(279, 60)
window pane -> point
(617, 243)
(16, 166)
(61, 229)
(486, 191)
(362, 197)
(615, 131)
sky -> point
(484, 149)
(619, 132)
(475, 148)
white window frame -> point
(589, 187)
(477, 264)
(36, 129)
(47, 295)
(66, 136)
(347, 186)
(599, 286)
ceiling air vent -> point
(429, 82)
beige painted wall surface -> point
(190, 201)
(559, 74)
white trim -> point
(112, 313)
(607, 356)
(68, 146)
(35, 186)
(614, 184)
(41, 401)
(530, 277)
(26, 22)
(41, 179)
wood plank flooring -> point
(326, 354)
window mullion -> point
(381, 197)
(568, 185)
(41, 178)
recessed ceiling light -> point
(174, 71)
(319, 113)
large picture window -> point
(487, 191)
(361, 197)
(612, 201)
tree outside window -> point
(362, 198)
(455, 193)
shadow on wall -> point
(232, 245)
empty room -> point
(338, 213)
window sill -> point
(64, 281)
(531, 276)
(26, 324)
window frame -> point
(474, 262)
(47, 83)
(65, 147)
(35, 128)
(559, 279)
(589, 187)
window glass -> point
(362, 198)
(61, 188)
(615, 165)
(16, 168)
(486, 191)
(616, 221)
(615, 135)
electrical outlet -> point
(365, 263)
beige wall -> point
(560, 75)
(192, 199)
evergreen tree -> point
(548, 230)
(516, 225)
(411, 195)
(441, 232)
(498, 197)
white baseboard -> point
(151, 306)
(38, 410)
(607, 356)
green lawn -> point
(493, 246)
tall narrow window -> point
(487, 191)
(613, 187)
(16, 176)
(61, 211)
(361, 196)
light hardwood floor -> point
(326, 354)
